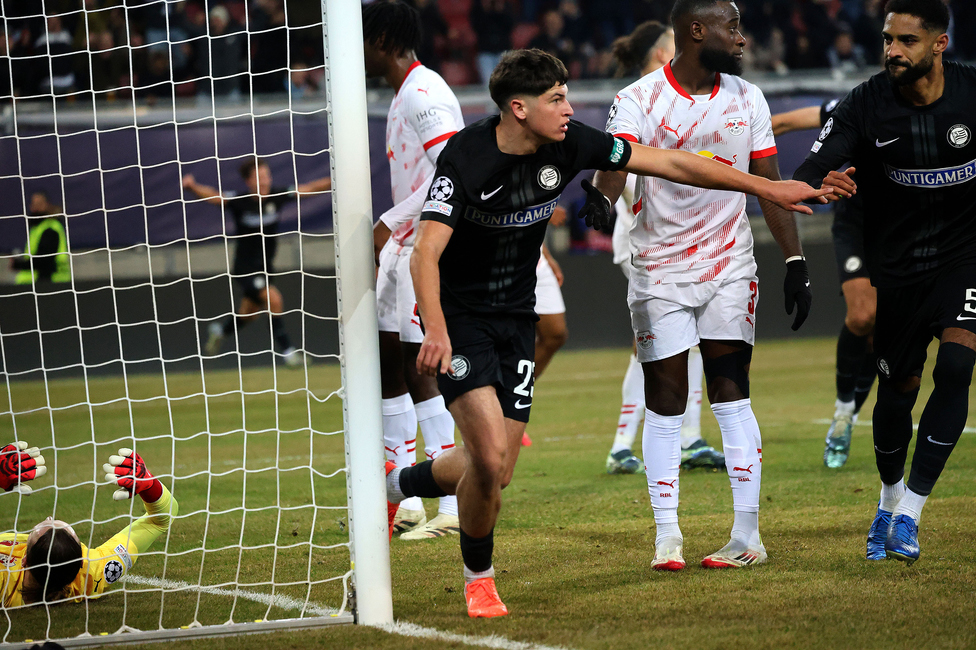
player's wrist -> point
(153, 493)
(795, 258)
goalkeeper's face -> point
(48, 524)
(259, 182)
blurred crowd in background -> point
(161, 49)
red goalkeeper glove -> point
(18, 464)
(129, 472)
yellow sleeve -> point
(113, 559)
(12, 548)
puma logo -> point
(743, 469)
(392, 451)
(670, 485)
(662, 125)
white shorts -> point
(396, 303)
(548, 297)
(671, 318)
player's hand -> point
(189, 181)
(557, 271)
(596, 211)
(435, 353)
(19, 464)
(797, 290)
(843, 184)
(129, 472)
(790, 195)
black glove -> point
(596, 212)
(797, 290)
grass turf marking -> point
(492, 641)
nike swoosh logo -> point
(485, 197)
(879, 143)
(944, 444)
(520, 405)
(808, 283)
(886, 452)
(961, 317)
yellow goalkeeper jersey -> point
(100, 566)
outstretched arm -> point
(323, 184)
(691, 169)
(435, 351)
(202, 191)
(798, 120)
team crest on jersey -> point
(959, 136)
(736, 125)
(113, 571)
(549, 177)
(826, 130)
(7, 560)
(441, 189)
(644, 339)
(460, 367)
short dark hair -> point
(934, 14)
(54, 561)
(684, 8)
(525, 72)
(252, 163)
(393, 27)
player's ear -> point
(698, 30)
(518, 107)
(941, 43)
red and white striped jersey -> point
(424, 114)
(683, 233)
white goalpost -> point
(261, 417)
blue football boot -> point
(878, 534)
(902, 542)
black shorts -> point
(252, 285)
(494, 351)
(848, 232)
(909, 317)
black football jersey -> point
(916, 174)
(499, 205)
(849, 211)
(256, 221)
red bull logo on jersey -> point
(644, 339)
(519, 218)
(718, 158)
(736, 125)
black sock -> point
(892, 431)
(944, 416)
(476, 551)
(865, 380)
(280, 334)
(418, 481)
(851, 349)
(233, 322)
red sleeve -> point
(765, 153)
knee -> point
(554, 339)
(954, 366)
(489, 469)
(728, 375)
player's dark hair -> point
(248, 167)
(42, 193)
(393, 27)
(632, 51)
(525, 72)
(684, 8)
(54, 560)
(934, 14)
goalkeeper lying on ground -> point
(50, 563)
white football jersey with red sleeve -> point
(683, 233)
(424, 114)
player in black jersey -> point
(856, 363)
(474, 271)
(908, 133)
(256, 221)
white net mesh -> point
(112, 338)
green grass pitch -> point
(573, 545)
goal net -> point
(178, 278)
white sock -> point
(843, 408)
(393, 492)
(470, 576)
(745, 527)
(662, 456)
(631, 408)
(691, 426)
(911, 504)
(743, 452)
(666, 522)
(400, 438)
(891, 495)
(437, 426)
